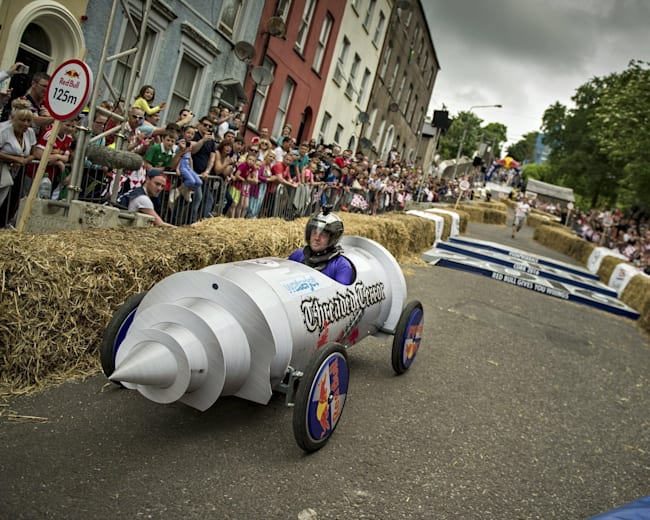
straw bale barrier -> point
(637, 296)
(564, 241)
(536, 218)
(637, 292)
(462, 221)
(485, 215)
(607, 266)
(493, 204)
(58, 291)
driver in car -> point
(323, 252)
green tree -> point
(622, 130)
(467, 124)
(540, 172)
(575, 159)
(494, 134)
(524, 149)
(601, 148)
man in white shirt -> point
(521, 210)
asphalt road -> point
(518, 406)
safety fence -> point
(216, 197)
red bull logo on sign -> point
(72, 75)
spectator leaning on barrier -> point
(17, 140)
(203, 157)
(60, 156)
(140, 199)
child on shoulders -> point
(145, 99)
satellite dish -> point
(262, 76)
(393, 107)
(363, 117)
(244, 51)
(276, 27)
(364, 142)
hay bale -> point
(607, 266)
(493, 204)
(485, 215)
(564, 241)
(537, 217)
(637, 296)
(464, 220)
(475, 213)
(58, 291)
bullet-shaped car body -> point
(252, 327)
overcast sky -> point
(528, 54)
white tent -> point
(549, 192)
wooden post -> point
(38, 176)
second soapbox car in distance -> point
(252, 327)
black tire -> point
(408, 334)
(312, 428)
(116, 331)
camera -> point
(22, 69)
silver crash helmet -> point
(325, 222)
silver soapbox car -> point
(254, 327)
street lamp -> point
(462, 139)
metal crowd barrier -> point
(211, 200)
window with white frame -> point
(393, 76)
(283, 9)
(367, 132)
(340, 62)
(363, 87)
(322, 42)
(355, 5)
(338, 133)
(398, 97)
(305, 22)
(379, 30)
(408, 18)
(416, 34)
(407, 99)
(324, 127)
(367, 22)
(411, 113)
(261, 92)
(380, 134)
(352, 78)
(283, 106)
(35, 46)
(230, 17)
(384, 61)
(420, 119)
(431, 71)
(124, 65)
(186, 78)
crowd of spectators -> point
(212, 169)
(625, 233)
